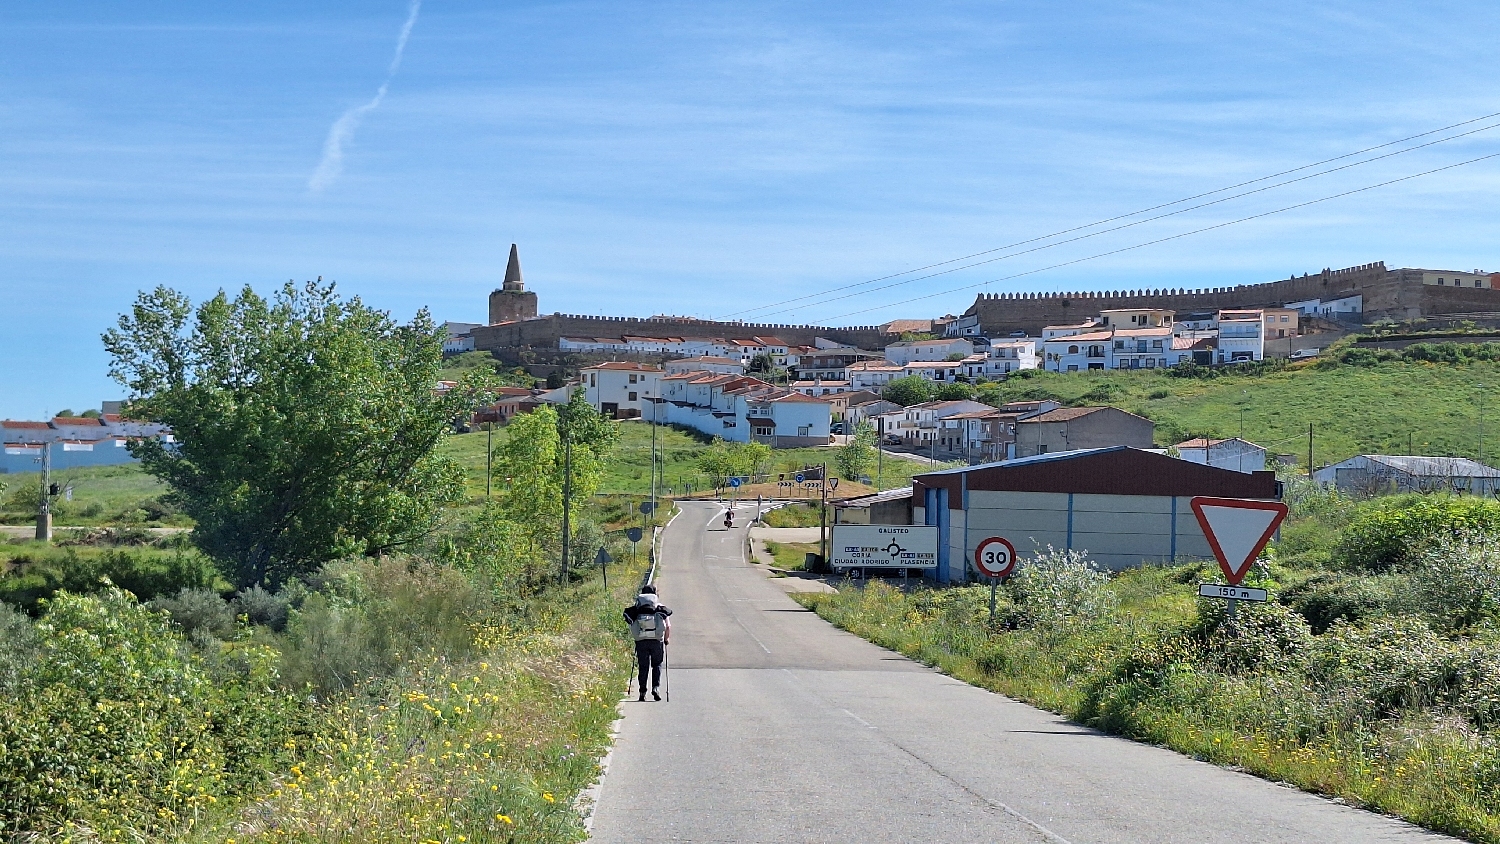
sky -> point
(708, 158)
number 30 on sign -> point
(995, 557)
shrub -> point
(1456, 582)
(1390, 532)
(198, 611)
(1058, 587)
(18, 648)
(1330, 597)
(1258, 638)
(111, 693)
(1376, 671)
(261, 607)
(42, 571)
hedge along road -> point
(783, 728)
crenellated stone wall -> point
(543, 332)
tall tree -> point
(856, 457)
(907, 391)
(304, 424)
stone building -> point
(512, 301)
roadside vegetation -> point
(344, 647)
(1373, 675)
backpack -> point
(648, 626)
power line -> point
(1122, 216)
(1218, 201)
(1170, 237)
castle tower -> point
(512, 301)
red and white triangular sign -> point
(1237, 530)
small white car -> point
(1305, 354)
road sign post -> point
(1237, 530)
(995, 558)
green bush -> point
(261, 607)
(198, 612)
(1057, 588)
(111, 693)
(1455, 583)
(1389, 532)
(1257, 638)
(1332, 596)
(363, 620)
(42, 571)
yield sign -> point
(1237, 530)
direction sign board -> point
(1233, 593)
(800, 477)
(734, 482)
(885, 546)
(995, 557)
(1237, 530)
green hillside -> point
(630, 470)
(1353, 409)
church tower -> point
(512, 301)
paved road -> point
(784, 729)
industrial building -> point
(1124, 506)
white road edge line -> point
(859, 719)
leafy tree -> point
(907, 391)
(857, 456)
(953, 392)
(305, 424)
(722, 460)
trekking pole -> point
(666, 674)
(635, 668)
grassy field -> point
(1353, 409)
(101, 495)
(630, 469)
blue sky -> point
(703, 158)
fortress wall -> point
(1002, 313)
(543, 332)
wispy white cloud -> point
(332, 163)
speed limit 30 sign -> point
(995, 557)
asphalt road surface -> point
(782, 728)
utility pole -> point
(44, 515)
(567, 501)
(653, 458)
(879, 449)
(1309, 450)
(823, 517)
(1481, 423)
(489, 456)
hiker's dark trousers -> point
(648, 655)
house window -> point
(1072, 350)
(804, 430)
(1072, 367)
(632, 379)
(1156, 344)
(1041, 449)
(632, 397)
(1119, 344)
(593, 379)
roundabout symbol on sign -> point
(995, 557)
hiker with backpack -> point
(651, 628)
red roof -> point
(9, 423)
(626, 366)
(76, 421)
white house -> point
(820, 387)
(939, 371)
(908, 351)
(872, 374)
(921, 424)
(621, 389)
(1053, 331)
(1241, 336)
(705, 363)
(1233, 453)
(1077, 352)
(742, 409)
(1140, 348)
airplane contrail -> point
(332, 163)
